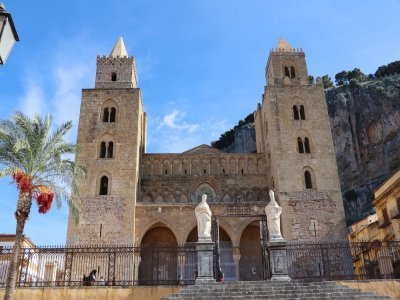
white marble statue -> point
(273, 212)
(203, 216)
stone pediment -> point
(203, 149)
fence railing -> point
(341, 260)
(145, 265)
(108, 266)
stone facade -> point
(111, 139)
(387, 205)
(150, 198)
(293, 132)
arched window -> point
(308, 180)
(114, 77)
(112, 115)
(110, 150)
(295, 112)
(292, 72)
(306, 145)
(300, 145)
(103, 150)
(105, 115)
(104, 185)
(302, 114)
(287, 72)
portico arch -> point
(250, 264)
(158, 265)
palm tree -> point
(35, 159)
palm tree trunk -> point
(22, 213)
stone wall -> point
(390, 288)
(278, 132)
(107, 216)
(98, 293)
(182, 178)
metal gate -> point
(239, 211)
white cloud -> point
(32, 102)
(68, 80)
(173, 120)
(172, 134)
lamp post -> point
(8, 34)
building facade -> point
(376, 236)
(387, 206)
(132, 197)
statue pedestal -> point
(204, 249)
(278, 260)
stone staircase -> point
(272, 290)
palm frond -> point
(27, 143)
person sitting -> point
(88, 280)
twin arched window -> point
(303, 145)
(298, 112)
(109, 114)
(106, 150)
(103, 186)
(290, 72)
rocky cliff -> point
(244, 141)
(365, 122)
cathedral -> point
(131, 197)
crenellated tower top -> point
(116, 70)
(286, 65)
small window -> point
(295, 112)
(302, 114)
(223, 171)
(112, 114)
(185, 171)
(307, 178)
(385, 215)
(204, 171)
(300, 145)
(106, 115)
(114, 77)
(104, 185)
(242, 171)
(103, 150)
(287, 74)
(306, 145)
(292, 72)
(110, 150)
(166, 171)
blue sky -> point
(200, 64)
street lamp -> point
(8, 34)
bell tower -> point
(111, 140)
(293, 131)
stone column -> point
(205, 264)
(278, 260)
(236, 259)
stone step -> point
(276, 297)
(266, 292)
(271, 290)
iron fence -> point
(146, 265)
(342, 260)
(102, 266)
